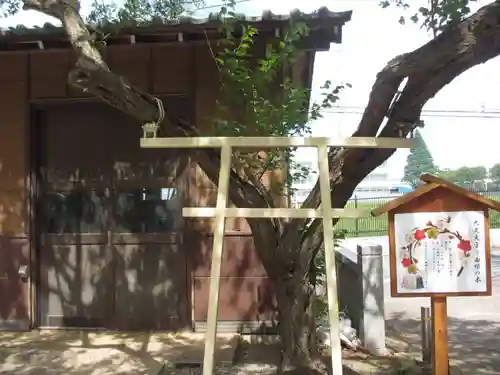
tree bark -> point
(287, 251)
(427, 70)
(296, 324)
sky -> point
(462, 123)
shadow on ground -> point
(353, 363)
(473, 348)
(105, 353)
(473, 344)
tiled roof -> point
(323, 19)
(322, 14)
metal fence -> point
(377, 226)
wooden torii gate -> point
(221, 212)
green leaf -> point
(424, 11)
(385, 4)
(249, 105)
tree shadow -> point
(14, 244)
(14, 306)
(473, 344)
(247, 303)
(268, 353)
(97, 269)
(86, 352)
(110, 226)
(110, 255)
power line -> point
(471, 114)
(437, 111)
(428, 110)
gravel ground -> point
(226, 369)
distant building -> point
(378, 184)
(303, 186)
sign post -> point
(439, 313)
(221, 212)
(439, 247)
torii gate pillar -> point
(221, 212)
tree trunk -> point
(296, 324)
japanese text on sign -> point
(440, 252)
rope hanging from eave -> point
(151, 128)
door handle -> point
(23, 272)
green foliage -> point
(418, 161)
(301, 172)
(495, 173)
(407, 366)
(464, 175)
(136, 12)
(128, 12)
(436, 16)
(317, 270)
(10, 7)
(259, 97)
(102, 12)
(317, 275)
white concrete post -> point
(372, 322)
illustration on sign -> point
(440, 252)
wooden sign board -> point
(440, 253)
(439, 246)
(439, 241)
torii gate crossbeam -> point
(221, 212)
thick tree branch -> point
(477, 35)
(93, 75)
(428, 69)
